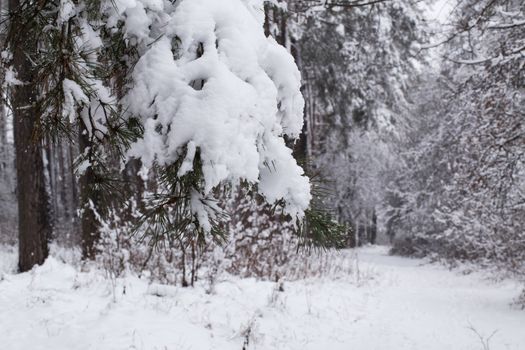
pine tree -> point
(33, 200)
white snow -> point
(73, 95)
(67, 10)
(385, 303)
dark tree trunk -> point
(33, 202)
(373, 228)
(90, 198)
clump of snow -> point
(73, 95)
(10, 77)
(209, 80)
(67, 10)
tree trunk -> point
(33, 202)
(90, 198)
(373, 229)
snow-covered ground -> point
(385, 303)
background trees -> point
(358, 65)
(470, 205)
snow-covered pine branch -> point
(209, 82)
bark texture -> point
(33, 201)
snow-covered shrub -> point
(258, 243)
(410, 246)
(264, 244)
(261, 242)
(124, 249)
(117, 252)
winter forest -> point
(262, 174)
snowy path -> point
(388, 303)
(428, 307)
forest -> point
(262, 174)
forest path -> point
(418, 305)
(385, 303)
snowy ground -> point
(387, 303)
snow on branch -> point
(210, 82)
(506, 25)
(358, 3)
